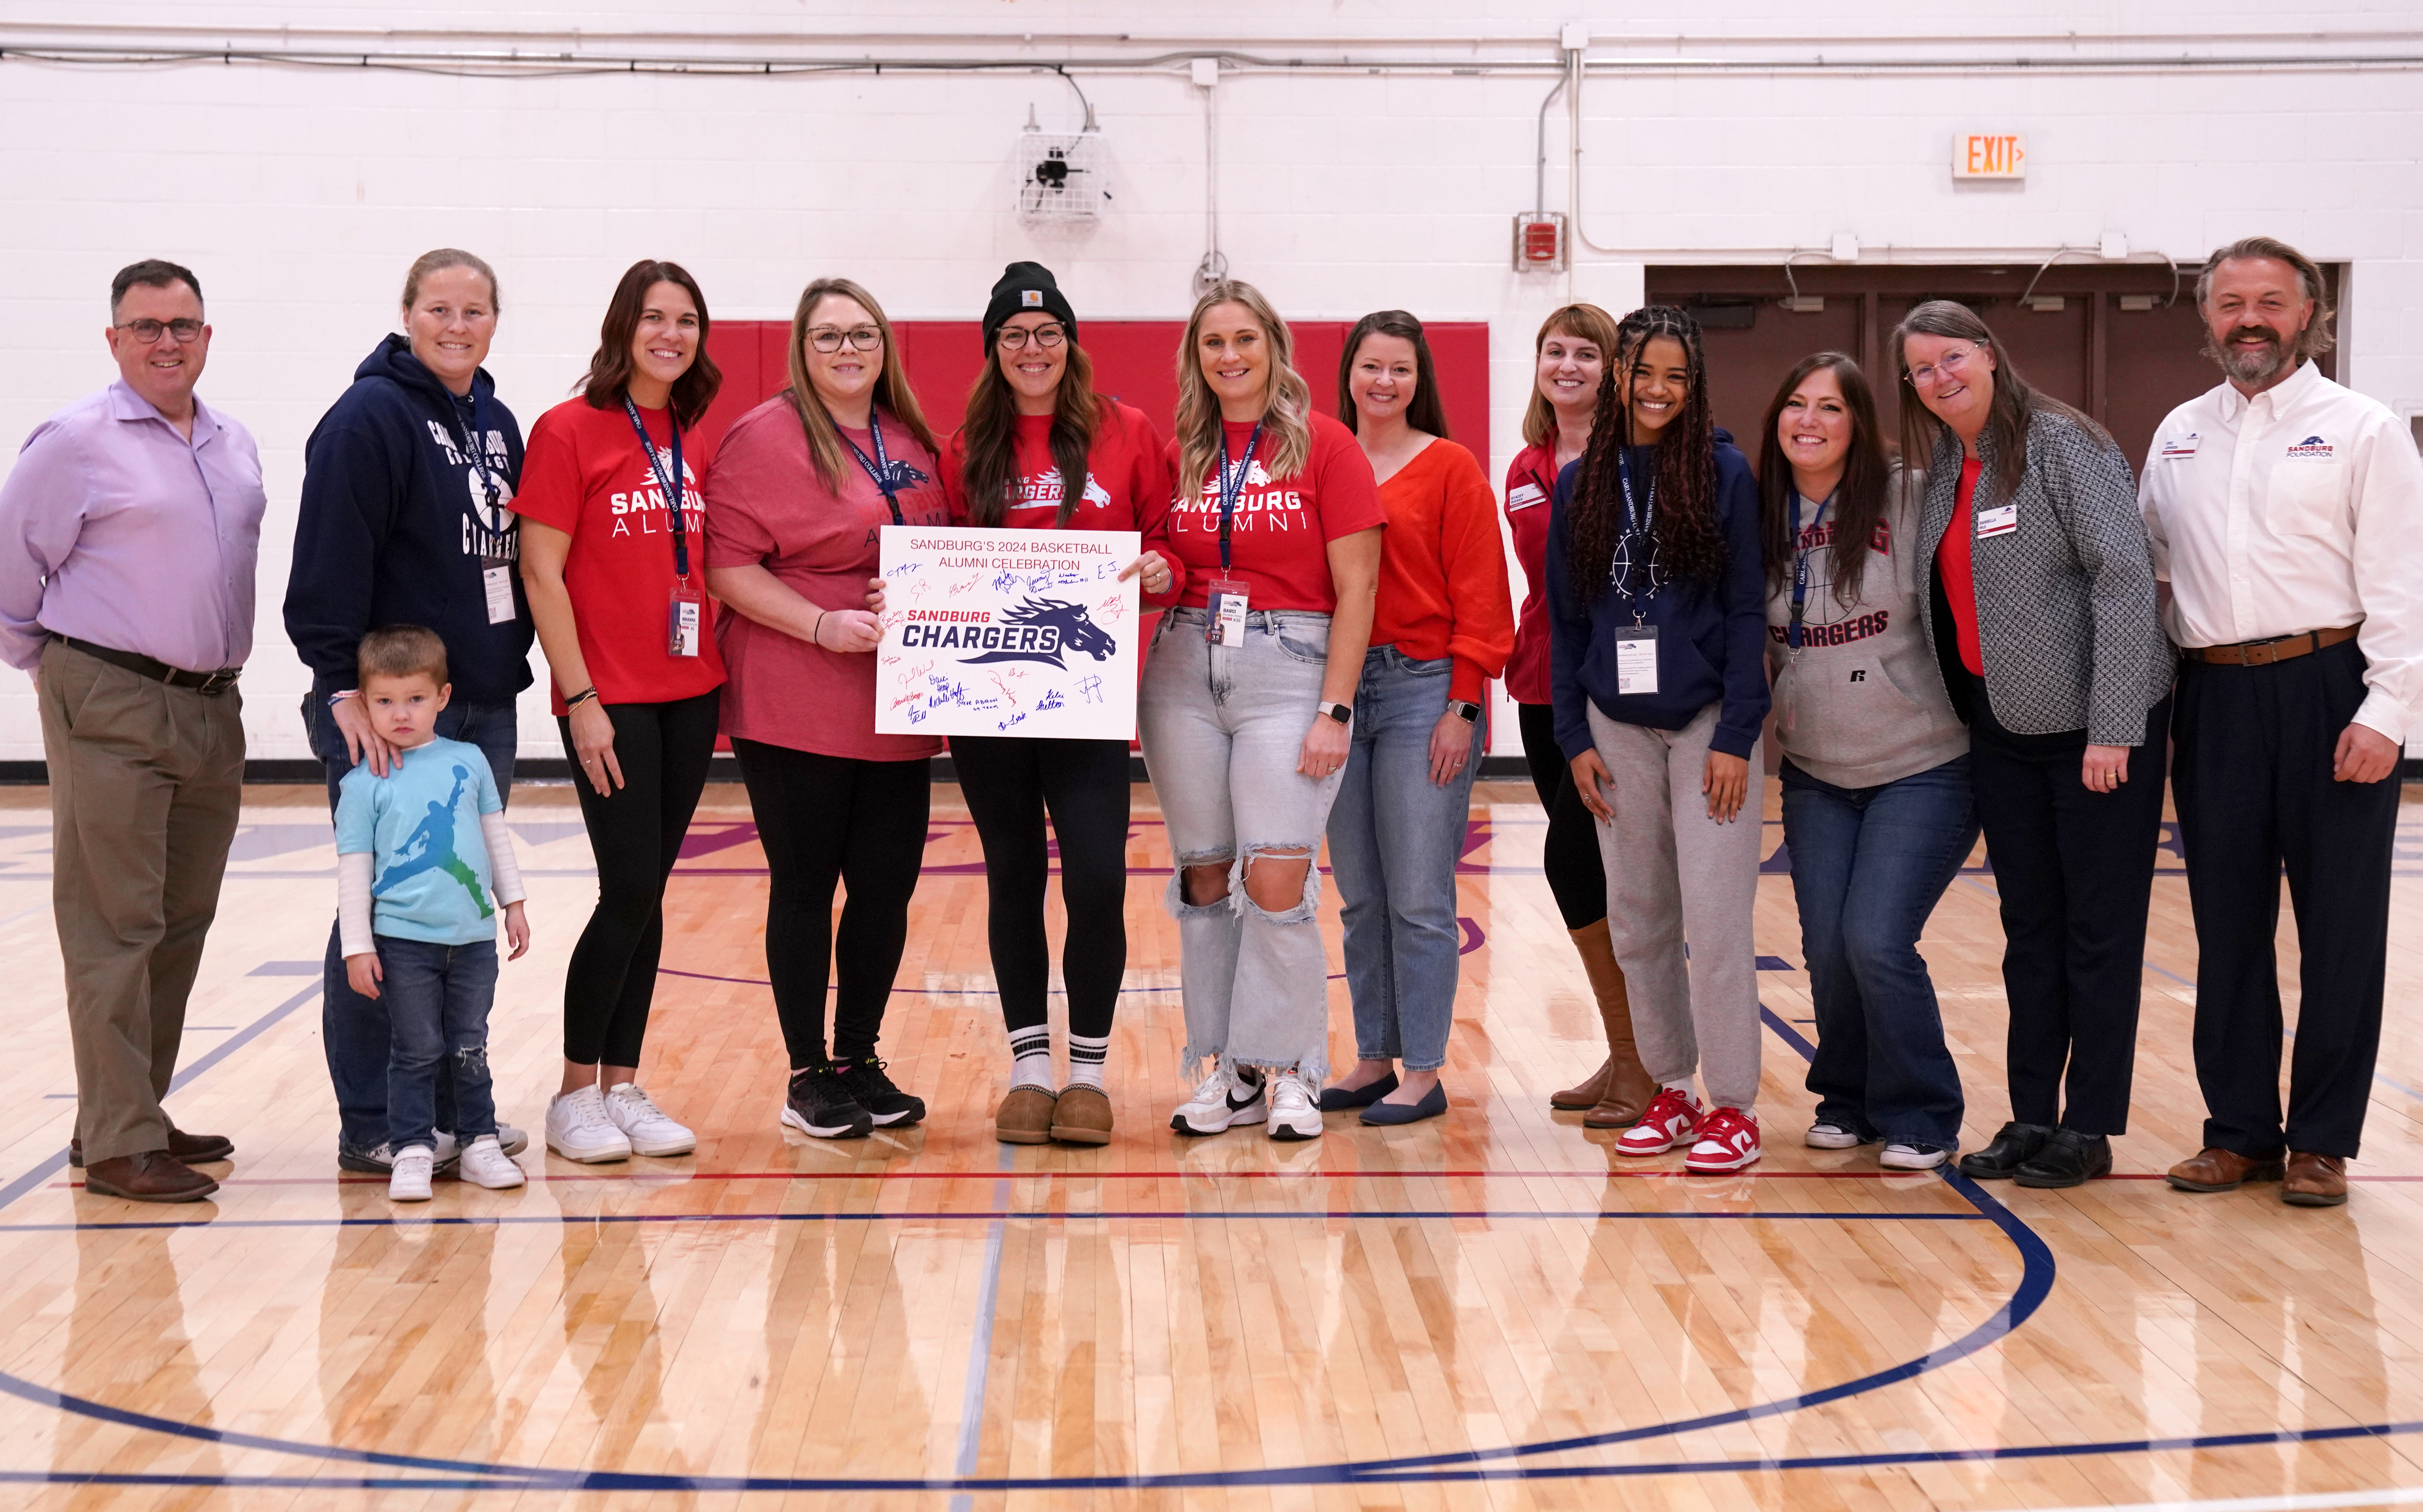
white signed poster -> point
(1008, 633)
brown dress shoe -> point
(1592, 1087)
(2314, 1180)
(193, 1149)
(1082, 1116)
(2214, 1169)
(1025, 1117)
(153, 1176)
(1624, 1095)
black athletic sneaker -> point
(866, 1083)
(819, 1106)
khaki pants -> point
(146, 780)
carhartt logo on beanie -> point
(1026, 286)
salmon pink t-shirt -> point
(774, 509)
(1957, 561)
(1281, 528)
(1530, 483)
(586, 474)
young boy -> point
(423, 866)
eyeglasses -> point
(147, 331)
(1013, 338)
(830, 338)
(1927, 375)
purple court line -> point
(668, 1178)
(998, 1215)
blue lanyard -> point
(880, 468)
(477, 458)
(1800, 566)
(1647, 516)
(671, 485)
(1231, 489)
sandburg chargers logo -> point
(1039, 630)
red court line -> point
(680, 1177)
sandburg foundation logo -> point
(1039, 630)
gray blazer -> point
(2065, 609)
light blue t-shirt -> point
(430, 875)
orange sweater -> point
(1443, 569)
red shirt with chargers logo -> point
(584, 474)
(1127, 484)
(1281, 528)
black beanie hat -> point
(1026, 286)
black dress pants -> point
(2076, 872)
(2256, 793)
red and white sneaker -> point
(1671, 1116)
(1728, 1140)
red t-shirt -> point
(1127, 484)
(1443, 569)
(774, 509)
(1954, 560)
(586, 474)
(1530, 483)
(1281, 528)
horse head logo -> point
(1063, 627)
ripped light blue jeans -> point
(1223, 727)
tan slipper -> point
(1082, 1116)
(1025, 1117)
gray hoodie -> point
(1861, 702)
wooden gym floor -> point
(1488, 1310)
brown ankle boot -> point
(1624, 1095)
(1586, 1095)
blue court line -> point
(980, 1215)
(972, 1397)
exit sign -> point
(1989, 155)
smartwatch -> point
(1342, 713)
(1465, 710)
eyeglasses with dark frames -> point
(830, 338)
(1014, 338)
(184, 328)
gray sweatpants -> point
(1671, 871)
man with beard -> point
(2286, 515)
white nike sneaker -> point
(1223, 1101)
(644, 1123)
(486, 1164)
(580, 1128)
(1295, 1108)
(407, 1180)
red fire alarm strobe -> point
(1539, 242)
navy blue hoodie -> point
(395, 527)
(1711, 640)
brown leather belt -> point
(212, 684)
(2277, 649)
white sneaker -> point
(1295, 1108)
(486, 1164)
(509, 1138)
(644, 1123)
(407, 1180)
(1223, 1101)
(1912, 1157)
(580, 1128)
(1826, 1135)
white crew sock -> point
(1030, 1053)
(1085, 1056)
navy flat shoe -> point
(1342, 1100)
(1432, 1104)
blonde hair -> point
(892, 394)
(441, 259)
(1583, 322)
(1289, 418)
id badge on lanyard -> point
(1636, 659)
(1226, 597)
(685, 616)
(495, 573)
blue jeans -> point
(437, 999)
(354, 1029)
(1394, 838)
(1868, 865)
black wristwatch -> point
(1342, 713)
(1465, 710)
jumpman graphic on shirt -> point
(434, 836)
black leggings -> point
(636, 834)
(825, 820)
(1008, 783)
(1569, 854)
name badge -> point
(498, 582)
(1636, 659)
(2002, 520)
(2179, 448)
(1227, 605)
(682, 621)
(1523, 495)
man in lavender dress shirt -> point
(128, 529)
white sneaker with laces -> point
(407, 1180)
(1911, 1157)
(486, 1164)
(580, 1128)
(1826, 1135)
(645, 1125)
(1223, 1101)
(1295, 1108)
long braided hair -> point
(1689, 541)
